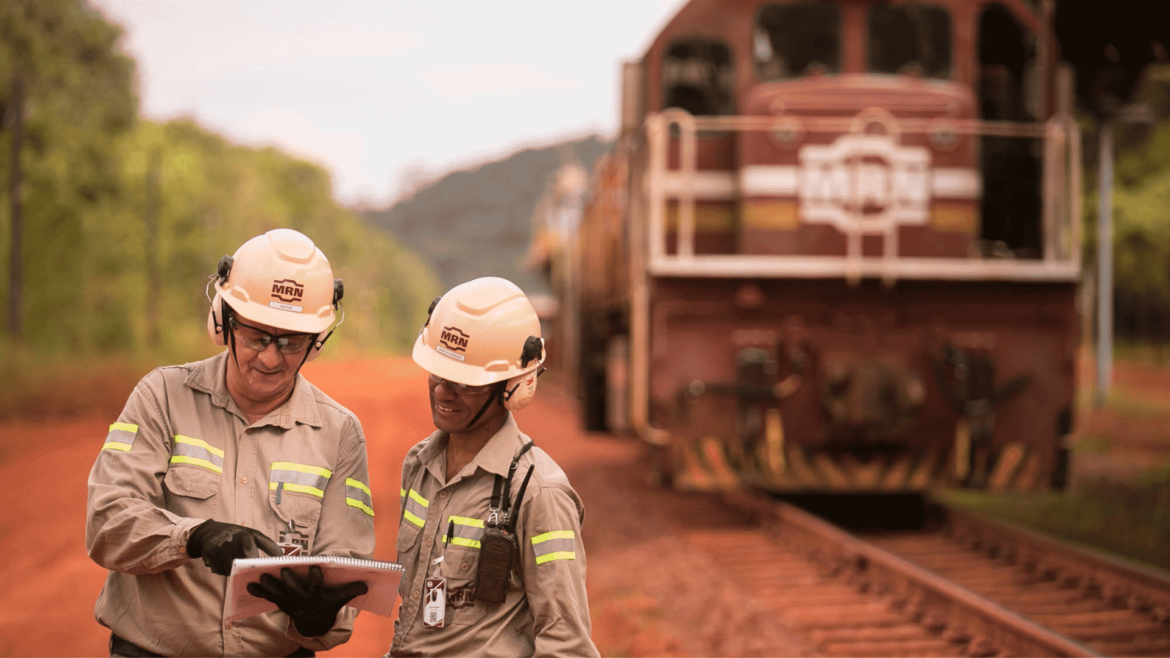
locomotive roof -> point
(720, 18)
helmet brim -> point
(455, 370)
(304, 322)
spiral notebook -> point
(381, 577)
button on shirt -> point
(546, 611)
(180, 453)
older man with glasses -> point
(232, 457)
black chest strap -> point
(501, 493)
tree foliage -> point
(67, 95)
(96, 176)
(1141, 233)
(213, 196)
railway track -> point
(963, 587)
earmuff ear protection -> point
(217, 316)
(519, 390)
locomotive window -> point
(698, 77)
(910, 38)
(797, 39)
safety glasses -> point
(258, 340)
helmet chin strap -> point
(224, 312)
(492, 398)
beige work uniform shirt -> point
(546, 611)
(181, 452)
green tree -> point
(66, 92)
(1141, 235)
(211, 196)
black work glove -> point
(311, 605)
(219, 543)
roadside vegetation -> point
(111, 224)
(1127, 517)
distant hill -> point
(476, 222)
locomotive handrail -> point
(1060, 218)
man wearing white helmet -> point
(235, 456)
(490, 529)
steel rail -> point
(1123, 581)
(992, 629)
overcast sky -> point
(374, 89)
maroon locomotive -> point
(837, 247)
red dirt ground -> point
(651, 595)
(651, 592)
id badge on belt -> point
(435, 598)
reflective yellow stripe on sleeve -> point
(358, 495)
(555, 545)
(121, 437)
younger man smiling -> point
(228, 458)
(467, 590)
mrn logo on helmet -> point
(453, 339)
(287, 290)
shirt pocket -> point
(191, 482)
(459, 567)
(295, 494)
(195, 468)
(408, 534)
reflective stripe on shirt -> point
(121, 437)
(464, 531)
(555, 545)
(416, 508)
(197, 452)
(300, 478)
(358, 495)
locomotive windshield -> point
(698, 77)
(910, 38)
(798, 39)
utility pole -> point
(1133, 113)
(153, 283)
(1104, 262)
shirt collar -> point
(495, 456)
(210, 377)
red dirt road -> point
(650, 593)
